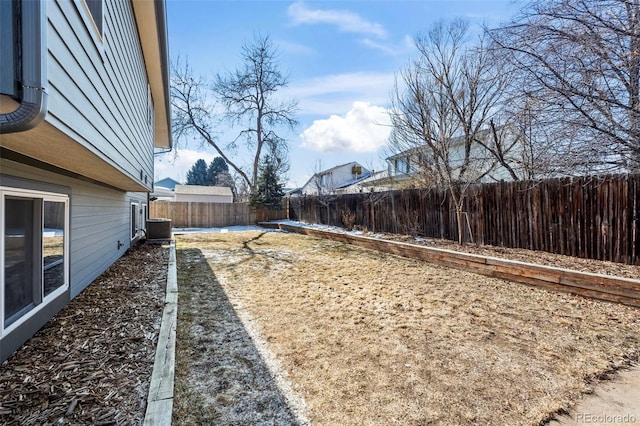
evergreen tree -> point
(217, 166)
(198, 174)
(268, 188)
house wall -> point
(99, 219)
(330, 179)
(98, 87)
(204, 198)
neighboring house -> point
(335, 179)
(404, 167)
(203, 194)
(84, 101)
(376, 182)
(167, 183)
(162, 194)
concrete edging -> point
(597, 286)
(160, 399)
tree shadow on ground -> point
(221, 376)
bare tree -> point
(442, 106)
(581, 62)
(247, 98)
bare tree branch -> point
(245, 97)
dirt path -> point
(613, 401)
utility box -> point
(158, 229)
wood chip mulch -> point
(92, 362)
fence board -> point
(214, 215)
(589, 217)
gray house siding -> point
(99, 89)
(66, 207)
(98, 218)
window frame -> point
(143, 217)
(150, 108)
(135, 220)
(44, 300)
(96, 27)
(93, 31)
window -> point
(95, 10)
(325, 180)
(149, 107)
(402, 165)
(34, 252)
(143, 217)
(135, 220)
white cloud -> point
(365, 128)
(333, 94)
(294, 48)
(345, 21)
(403, 48)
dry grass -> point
(221, 376)
(370, 338)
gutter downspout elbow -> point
(32, 107)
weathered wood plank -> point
(591, 217)
(615, 289)
(160, 399)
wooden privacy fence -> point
(595, 218)
(214, 215)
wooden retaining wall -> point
(604, 287)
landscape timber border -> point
(597, 286)
(160, 401)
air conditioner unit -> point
(158, 229)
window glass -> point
(53, 246)
(19, 242)
(95, 9)
(35, 252)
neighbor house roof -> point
(203, 190)
(324, 172)
(167, 183)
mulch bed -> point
(92, 363)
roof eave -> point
(152, 30)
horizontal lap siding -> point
(99, 218)
(98, 93)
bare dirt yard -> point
(91, 364)
(277, 328)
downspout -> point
(31, 63)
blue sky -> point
(341, 57)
